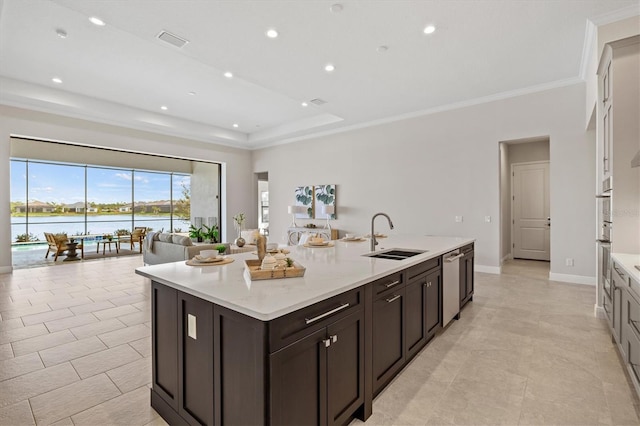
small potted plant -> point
(238, 221)
(210, 233)
(196, 233)
(221, 248)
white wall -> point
(204, 192)
(236, 162)
(424, 171)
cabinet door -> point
(298, 382)
(434, 302)
(195, 359)
(388, 337)
(466, 278)
(416, 315)
(345, 368)
(164, 303)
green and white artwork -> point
(325, 195)
(304, 197)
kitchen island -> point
(309, 350)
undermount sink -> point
(395, 254)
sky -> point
(63, 184)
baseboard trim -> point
(598, 312)
(6, 269)
(507, 257)
(575, 279)
(488, 269)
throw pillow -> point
(165, 237)
(181, 240)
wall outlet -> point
(458, 219)
(568, 261)
(487, 219)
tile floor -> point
(75, 349)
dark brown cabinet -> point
(423, 310)
(319, 379)
(388, 335)
(466, 274)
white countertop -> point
(628, 262)
(329, 272)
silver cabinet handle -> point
(427, 284)
(326, 314)
(389, 285)
(326, 342)
(334, 338)
(391, 299)
(453, 258)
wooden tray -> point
(226, 261)
(253, 266)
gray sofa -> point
(164, 248)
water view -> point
(95, 225)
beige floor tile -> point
(36, 383)
(132, 376)
(46, 316)
(106, 360)
(64, 422)
(70, 322)
(128, 300)
(625, 414)
(71, 399)
(20, 365)
(536, 412)
(125, 335)
(69, 302)
(115, 312)
(6, 351)
(71, 350)
(42, 342)
(142, 346)
(17, 414)
(93, 329)
(11, 324)
(24, 310)
(92, 307)
(17, 334)
(135, 318)
(106, 295)
(158, 421)
(131, 409)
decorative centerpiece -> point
(238, 222)
(196, 233)
(272, 267)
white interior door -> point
(530, 211)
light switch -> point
(458, 218)
(191, 326)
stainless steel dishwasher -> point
(450, 286)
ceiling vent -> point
(317, 101)
(172, 39)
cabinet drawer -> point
(622, 277)
(423, 267)
(467, 248)
(388, 283)
(294, 326)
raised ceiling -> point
(122, 73)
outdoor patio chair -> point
(58, 245)
(135, 237)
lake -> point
(96, 225)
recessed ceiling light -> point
(164, 107)
(61, 33)
(56, 80)
(235, 125)
(329, 68)
(304, 104)
(97, 21)
(336, 8)
(228, 74)
(192, 93)
(272, 33)
(429, 29)
(382, 48)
